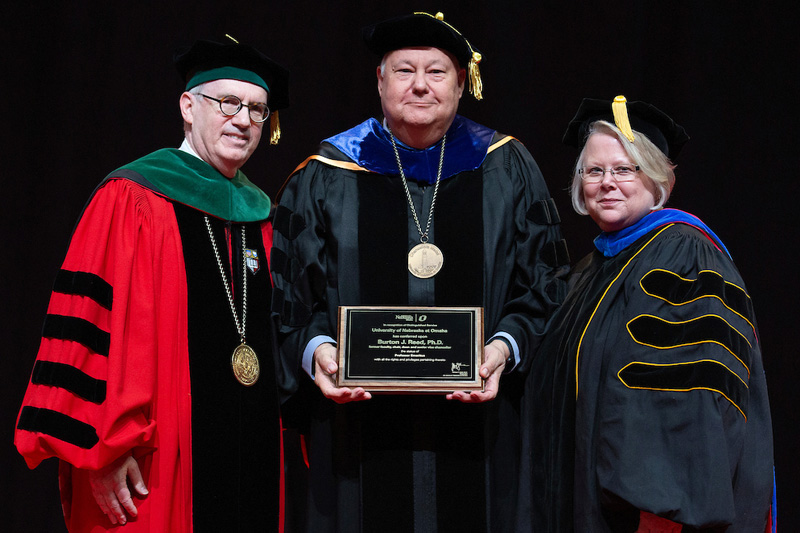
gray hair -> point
(198, 89)
(654, 165)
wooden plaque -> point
(410, 349)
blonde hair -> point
(653, 163)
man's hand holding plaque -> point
(325, 369)
(495, 355)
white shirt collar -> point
(185, 147)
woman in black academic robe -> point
(647, 404)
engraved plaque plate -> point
(410, 349)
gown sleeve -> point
(540, 260)
(91, 394)
(301, 293)
(683, 423)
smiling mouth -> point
(236, 137)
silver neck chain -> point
(240, 327)
(423, 235)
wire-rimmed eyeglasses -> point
(620, 173)
(230, 105)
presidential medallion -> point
(425, 260)
(244, 363)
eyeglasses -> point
(230, 105)
(621, 173)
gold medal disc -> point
(245, 365)
(425, 260)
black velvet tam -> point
(645, 118)
(204, 56)
(418, 29)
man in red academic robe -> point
(154, 383)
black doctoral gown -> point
(649, 392)
(343, 230)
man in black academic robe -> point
(345, 223)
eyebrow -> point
(588, 163)
(437, 61)
(240, 99)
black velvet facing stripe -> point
(677, 291)
(544, 212)
(278, 263)
(282, 264)
(382, 241)
(458, 222)
(653, 331)
(69, 378)
(235, 429)
(396, 431)
(386, 462)
(84, 284)
(58, 425)
(287, 223)
(460, 468)
(82, 331)
(682, 377)
(387, 488)
(292, 313)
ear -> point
(187, 107)
(462, 77)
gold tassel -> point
(274, 128)
(474, 73)
(620, 109)
(475, 82)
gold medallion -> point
(425, 260)
(245, 365)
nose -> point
(420, 82)
(242, 118)
(609, 181)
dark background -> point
(89, 86)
